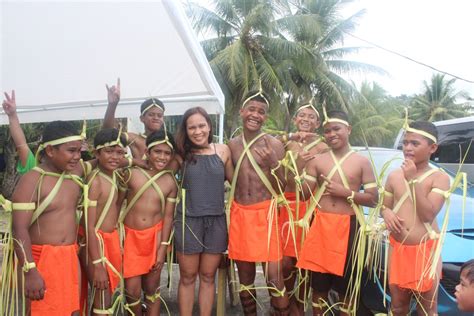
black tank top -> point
(203, 180)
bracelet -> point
(27, 266)
(99, 260)
(350, 198)
(166, 243)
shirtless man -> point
(339, 173)
(252, 237)
(44, 223)
(147, 220)
(303, 145)
(104, 258)
(413, 228)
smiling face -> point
(159, 156)
(64, 157)
(109, 158)
(417, 147)
(152, 119)
(465, 292)
(197, 130)
(337, 135)
(306, 120)
(253, 115)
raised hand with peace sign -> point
(9, 104)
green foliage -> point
(376, 117)
(291, 48)
(439, 101)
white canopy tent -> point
(58, 56)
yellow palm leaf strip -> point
(47, 201)
(461, 177)
(358, 212)
(237, 169)
(292, 219)
(312, 144)
(110, 198)
(304, 222)
(148, 183)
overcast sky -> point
(435, 32)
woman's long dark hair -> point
(184, 145)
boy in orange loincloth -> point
(45, 224)
(327, 249)
(104, 258)
(254, 231)
(147, 220)
(303, 146)
(412, 225)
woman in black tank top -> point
(201, 237)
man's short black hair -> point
(149, 102)
(338, 114)
(108, 135)
(469, 267)
(427, 127)
(58, 129)
(158, 136)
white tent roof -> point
(58, 56)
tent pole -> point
(221, 128)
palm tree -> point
(290, 47)
(376, 117)
(438, 101)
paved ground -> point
(171, 298)
(170, 295)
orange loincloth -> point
(288, 239)
(325, 247)
(410, 265)
(59, 268)
(139, 251)
(113, 254)
(249, 233)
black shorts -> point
(204, 234)
(323, 282)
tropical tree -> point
(439, 101)
(376, 117)
(290, 48)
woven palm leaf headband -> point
(63, 140)
(407, 128)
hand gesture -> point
(409, 169)
(267, 155)
(9, 104)
(34, 285)
(335, 188)
(301, 136)
(100, 277)
(305, 156)
(113, 93)
(392, 221)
